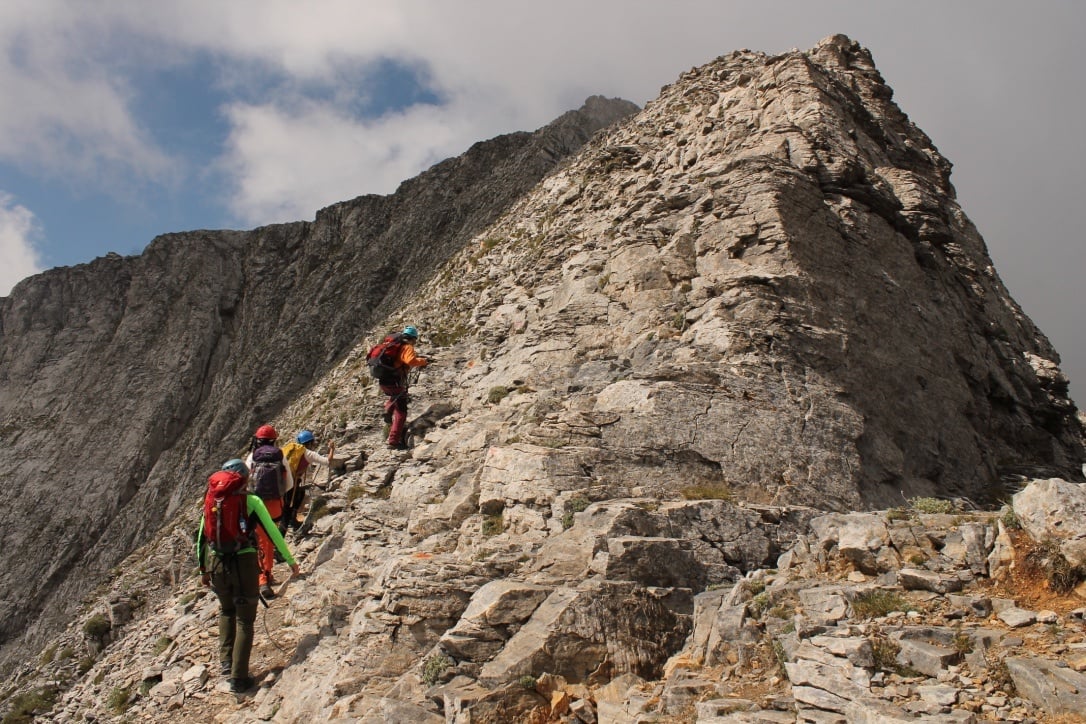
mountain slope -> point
(121, 378)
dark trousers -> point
(234, 581)
(294, 503)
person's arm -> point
(204, 576)
(316, 458)
(256, 505)
(410, 359)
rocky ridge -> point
(651, 335)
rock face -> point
(120, 380)
(668, 382)
(762, 281)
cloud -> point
(67, 114)
(287, 163)
(18, 230)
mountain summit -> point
(757, 289)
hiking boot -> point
(241, 684)
(388, 417)
(266, 592)
(397, 446)
(225, 667)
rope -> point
(267, 632)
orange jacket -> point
(408, 358)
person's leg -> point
(295, 518)
(245, 604)
(399, 419)
(225, 586)
(265, 548)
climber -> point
(271, 480)
(395, 381)
(228, 563)
(299, 455)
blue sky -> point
(124, 119)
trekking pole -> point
(331, 455)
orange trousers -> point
(265, 549)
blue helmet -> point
(410, 332)
(237, 466)
(304, 436)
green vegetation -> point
(527, 681)
(449, 335)
(759, 604)
(874, 604)
(48, 655)
(573, 506)
(434, 667)
(708, 491)
(782, 611)
(28, 706)
(493, 524)
(932, 505)
(886, 652)
(118, 699)
(497, 394)
(318, 509)
(355, 492)
(96, 626)
(162, 644)
(897, 514)
(963, 644)
(1010, 519)
(779, 654)
(85, 664)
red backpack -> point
(384, 358)
(227, 528)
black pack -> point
(267, 472)
(384, 359)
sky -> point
(124, 119)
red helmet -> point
(266, 432)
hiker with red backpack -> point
(269, 479)
(299, 455)
(228, 563)
(391, 362)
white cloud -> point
(18, 230)
(287, 163)
(67, 113)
